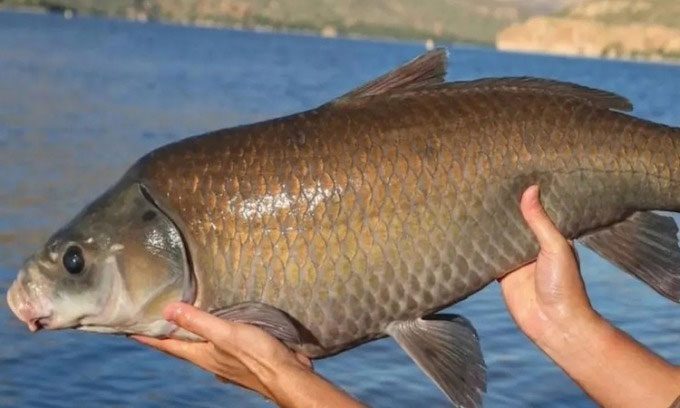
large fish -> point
(363, 217)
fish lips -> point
(36, 315)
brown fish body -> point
(363, 217)
(354, 215)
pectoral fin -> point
(646, 246)
(446, 348)
(268, 318)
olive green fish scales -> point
(363, 217)
(354, 215)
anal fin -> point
(268, 318)
(447, 349)
(646, 246)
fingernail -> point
(533, 188)
(171, 311)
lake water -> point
(80, 100)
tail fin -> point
(646, 246)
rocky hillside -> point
(645, 29)
(639, 29)
(460, 20)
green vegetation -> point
(460, 20)
(479, 21)
(662, 12)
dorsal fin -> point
(596, 98)
(427, 69)
(427, 73)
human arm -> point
(250, 357)
(548, 301)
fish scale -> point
(369, 231)
(366, 216)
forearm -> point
(610, 366)
(293, 387)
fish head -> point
(111, 269)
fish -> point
(366, 216)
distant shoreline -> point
(406, 35)
(593, 39)
(260, 29)
(263, 29)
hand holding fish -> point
(248, 356)
(550, 291)
(548, 301)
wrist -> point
(557, 328)
(294, 385)
(569, 343)
(275, 374)
(609, 365)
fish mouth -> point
(34, 316)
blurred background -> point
(84, 93)
(641, 29)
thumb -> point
(204, 324)
(549, 237)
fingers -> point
(182, 349)
(304, 360)
(197, 321)
(549, 237)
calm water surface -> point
(80, 100)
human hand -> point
(548, 301)
(248, 356)
(240, 353)
(548, 292)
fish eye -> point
(73, 260)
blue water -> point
(80, 100)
